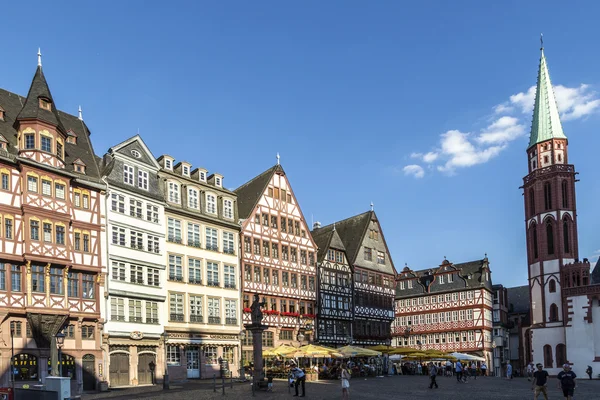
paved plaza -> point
(397, 387)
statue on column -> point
(255, 311)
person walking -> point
(566, 381)
(345, 375)
(300, 378)
(539, 384)
(448, 368)
(589, 371)
(474, 369)
(433, 371)
(484, 369)
(459, 371)
(509, 371)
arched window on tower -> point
(554, 313)
(552, 286)
(550, 236)
(531, 202)
(547, 196)
(548, 356)
(566, 235)
(565, 198)
(561, 354)
(534, 240)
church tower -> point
(551, 223)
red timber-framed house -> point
(334, 288)
(448, 308)
(373, 280)
(561, 294)
(278, 260)
(51, 205)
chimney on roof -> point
(316, 225)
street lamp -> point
(60, 341)
(165, 337)
(12, 360)
(242, 373)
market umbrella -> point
(284, 349)
(353, 351)
(382, 348)
(269, 353)
(468, 357)
(314, 351)
(403, 350)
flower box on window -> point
(247, 310)
(290, 314)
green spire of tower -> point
(546, 121)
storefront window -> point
(25, 367)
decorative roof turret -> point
(39, 91)
(546, 121)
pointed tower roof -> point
(32, 110)
(546, 121)
(326, 238)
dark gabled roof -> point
(326, 238)
(352, 231)
(596, 273)
(13, 104)
(250, 192)
(518, 299)
(472, 272)
(32, 110)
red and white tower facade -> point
(551, 224)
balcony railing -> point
(229, 286)
(152, 320)
(228, 250)
(176, 278)
(137, 246)
(174, 239)
(214, 320)
(212, 283)
(230, 321)
(118, 318)
(194, 243)
(176, 317)
(212, 247)
(195, 281)
(135, 319)
(196, 318)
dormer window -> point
(71, 137)
(29, 141)
(3, 146)
(1, 114)
(59, 150)
(168, 164)
(79, 166)
(185, 170)
(46, 143)
(202, 176)
(45, 104)
(135, 153)
(218, 181)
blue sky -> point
(420, 107)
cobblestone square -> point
(397, 387)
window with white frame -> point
(427, 319)
(212, 274)
(168, 163)
(136, 240)
(470, 295)
(175, 268)
(202, 176)
(227, 208)
(454, 296)
(211, 203)
(117, 309)
(135, 208)
(59, 191)
(454, 316)
(176, 307)
(127, 174)
(151, 312)
(410, 284)
(152, 213)
(153, 244)
(118, 236)
(470, 315)
(136, 274)
(173, 190)
(471, 336)
(135, 310)
(450, 278)
(173, 355)
(462, 295)
(142, 182)
(193, 198)
(117, 203)
(441, 279)
(434, 318)
(193, 235)
(46, 187)
(228, 243)
(32, 184)
(174, 230)
(211, 239)
(214, 310)
(210, 355)
(196, 309)
(402, 285)
(194, 270)
(153, 277)
(461, 315)
(230, 312)
(229, 276)
(218, 181)
(185, 170)
(118, 271)
(447, 297)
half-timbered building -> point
(202, 259)
(448, 308)
(51, 207)
(335, 302)
(373, 282)
(135, 288)
(278, 259)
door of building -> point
(193, 363)
(119, 369)
(89, 372)
(145, 362)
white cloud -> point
(503, 109)
(414, 170)
(416, 155)
(572, 102)
(430, 157)
(503, 130)
(461, 152)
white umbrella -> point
(469, 357)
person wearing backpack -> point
(566, 381)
